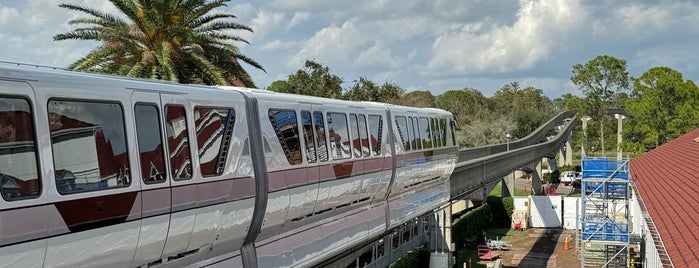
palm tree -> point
(175, 40)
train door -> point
(178, 123)
(155, 182)
(23, 220)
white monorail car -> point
(105, 171)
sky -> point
(434, 45)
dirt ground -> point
(540, 248)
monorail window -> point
(417, 142)
(425, 133)
(19, 177)
(363, 135)
(443, 130)
(320, 136)
(89, 145)
(375, 130)
(150, 145)
(410, 136)
(285, 125)
(356, 142)
(308, 136)
(395, 241)
(402, 126)
(339, 136)
(178, 142)
(214, 127)
(436, 137)
(380, 249)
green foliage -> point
(500, 216)
(314, 79)
(467, 105)
(528, 107)
(484, 132)
(366, 90)
(471, 224)
(663, 107)
(508, 204)
(423, 99)
(419, 257)
(553, 177)
(178, 41)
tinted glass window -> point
(416, 142)
(214, 127)
(89, 146)
(402, 126)
(436, 137)
(178, 142)
(363, 135)
(375, 130)
(380, 249)
(19, 177)
(356, 142)
(425, 133)
(409, 135)
(286, 126)
(443, 131)
(339, 136)
(150, 145)
(320, 136)
(308, 136)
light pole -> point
(508, 140)
(584, 126)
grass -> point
(497, 191)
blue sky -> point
(435, 45)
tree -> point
(528, 107)
(313, 79)
(467, 105)
(599, 79)
(364, 89)
(663, 107)
(422, 99)
(179, 41)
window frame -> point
(163, 143)
(126, 143)
(35, 139)
(189, 143)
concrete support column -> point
(506, 190)
(620, 119)
(536, 178)
(553, 164)
(440, 243)
(560, 158)
(569, 153)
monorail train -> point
(106, 171)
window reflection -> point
(375, 128)
(178, 142)
(308, 137)
(150, 145)
(89, 146)
(214, 129)
(19, 178)
(363, 135)
(339, 136)
(320, 136)
(286, 126)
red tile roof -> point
(667, 179)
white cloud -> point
(264, 24)
(298, 17)
(540, 27)
(278, 45)
(331, 44)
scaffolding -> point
(604, 237)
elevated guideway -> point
(482, 167)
